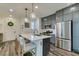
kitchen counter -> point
(40, 42)
(32, 37)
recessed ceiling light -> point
(11, 10)
(36, 7)
(73, 8)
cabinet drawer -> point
(67, 45)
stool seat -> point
(29, 47)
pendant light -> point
(33, 16)
(26, 18)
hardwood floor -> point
(12, 49)
(9, 49)
(54, 51)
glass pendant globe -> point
(26, 19)
(33, 16)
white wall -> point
(37, 25)
(9, 33)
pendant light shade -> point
(26, 18)
(32, 15)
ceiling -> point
(44, 9)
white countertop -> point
(34, 37)
(36, 43)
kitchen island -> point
(41, 42)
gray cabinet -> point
(68, 30)
(75, 16)
(59, 18)
(52, 39)
(76, 7)
(71, 9)
(59, 13)
(63, 30)
(67, 10)
(46, 46)
(76, 31)
(46, 22)
(67, 17)
(67, 45)
(43, 22)
(50, 20)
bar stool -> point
(27, 46)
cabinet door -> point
(58, 19)
(59, 16)
(59, 13)
(62, 29)
(67, 45)
(58, 30)
(68, 30)
(76, 31)
(52, 39)
(46, 46)
(43, 22)
(60, 45)
(67, 17)
(46, 21)
(76, 7)
(67, 10)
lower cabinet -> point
(46, 46)
(58, 43)
(64, 44)
(67, 45)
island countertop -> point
(32, 37)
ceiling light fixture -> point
(73, 8)
(33, 16)
(36, 7)
(11, 10)
(26, 19)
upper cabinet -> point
(75, 7)
(59, 16)
(48, 22)
(66, 14)
(71, 9)
(68, 10)
(43, 22)
(59, 13)
(67, 17)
